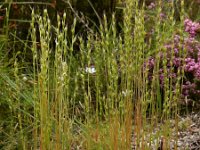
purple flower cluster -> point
(191, 88)
(152, 5)
(192, 61)
(188, 88)
(191, 83)
(192, 67)
(191, 27)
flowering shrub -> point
(191, 62)
(191, 27)
(191, 88)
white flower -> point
(125, 93)
(90, 70)
(24, 78)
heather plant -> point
(189, 62)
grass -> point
(61, 105)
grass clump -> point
(109, 92)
